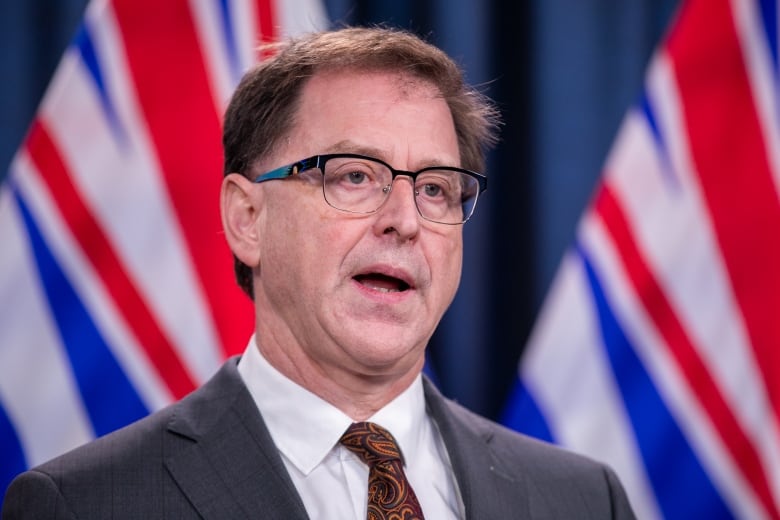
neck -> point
(357, 391)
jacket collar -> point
(483, 479)
(223, 457)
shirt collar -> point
(305, 428)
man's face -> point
(361, 293)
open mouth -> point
(382, 283)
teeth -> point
(381, 283)
(382, 289)
(385, 289)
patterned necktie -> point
(390, 496)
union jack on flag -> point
(658, 348)
(116, 284)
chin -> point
(382, 345)
(384, 358)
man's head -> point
(265, 105)
(340, 293)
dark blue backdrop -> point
(563, 73)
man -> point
(350, 161)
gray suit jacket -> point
(211, 456)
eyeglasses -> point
(359, 184)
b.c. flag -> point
(116, 288)
(658, 347)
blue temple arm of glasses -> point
(279, 173)
(291, 169)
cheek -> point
(284, 240)
(293, 222)
(446, 261)
(307, 247)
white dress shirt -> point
(331, 480)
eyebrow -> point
(348, 146)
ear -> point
(241, 207)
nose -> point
(398, 213)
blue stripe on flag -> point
(682, 487)
(649, 113)
(230, 40)
(86, 49)
(13, 461)
(109, 398)
(524, 415)
(769, 22)
(668, 169)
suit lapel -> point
(484, 485)
(223, 458)
(220, 454)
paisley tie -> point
(390, 496)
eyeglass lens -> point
(362, 186)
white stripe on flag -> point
(568, 375)
(300, 16)
(102, 308)
(123, 186)
(207, 18)
(36, 383)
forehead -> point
(401, 116)
(361, 89)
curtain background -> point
(563, 73)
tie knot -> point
(371, 442)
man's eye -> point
(432, 190)
(356, 177)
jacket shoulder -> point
(519, 452)
(124, 472)
(538, 478)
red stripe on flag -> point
(105, 261)
(730, 158)
(681, 347)
(171, 80)
(266, 23)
